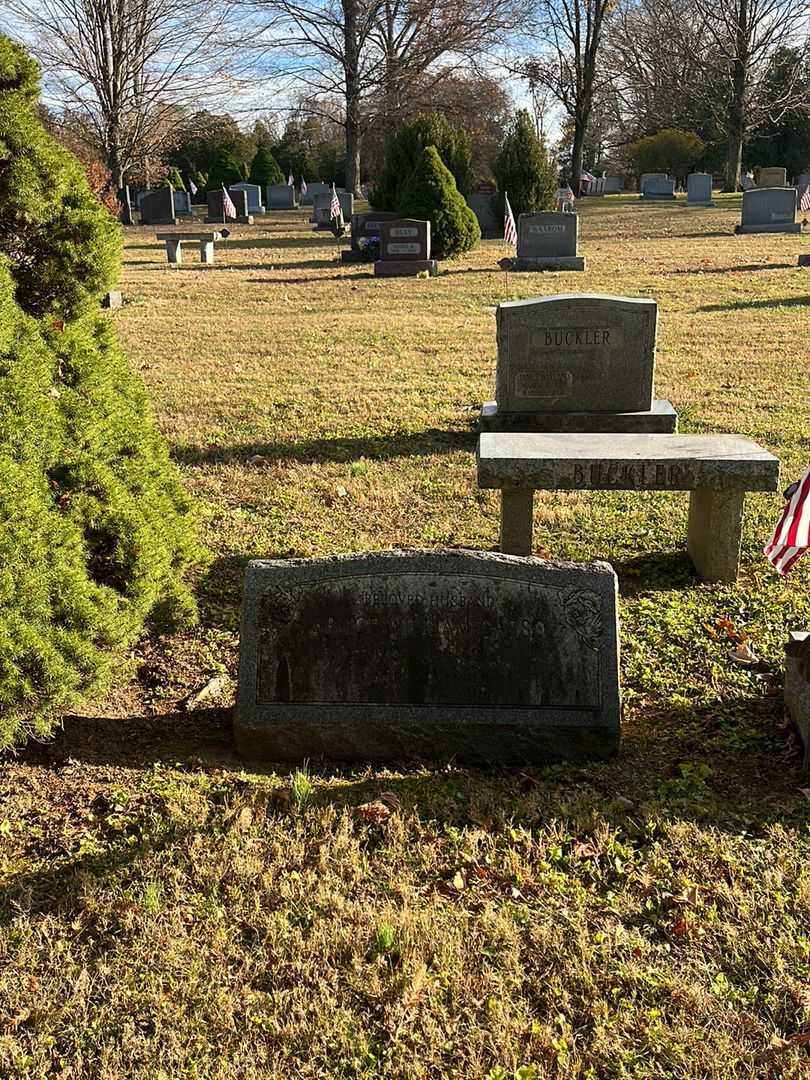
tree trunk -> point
(352, 124)
(576, 155)
(736, 109)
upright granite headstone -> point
(803, 181)
(769, 210)
(254, 196)
(576, 353)
(366, 227)
(238, 198)
(281, 197)
(182, 204)
(648, 177)
(548, 241)
(474, 656)
(774, 177)
(157, 207)
(322, 209)
(699, 189)
(480, 202)
(405, 249)
(313, 189)
(658, 187)
(614, 185)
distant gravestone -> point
(281, 197)
(254, 196)
(576, 353)
(405, 249)
(548, 241)
(614, 185)
(803, 181)
(182, 203)
(480, 202)
(239, 200)
(157, 207)
(473, 656)
(772, 178)
(366, 227)
(657, 186)
(769, 210)
(699, 189)
(316, 188)
(322, 209)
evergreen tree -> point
(524, 169)
(404, 151)
(94, 532)
(430, 194)
(174, 178)
(264, 169)
(225, 170)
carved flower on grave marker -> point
(583, 613)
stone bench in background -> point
(205, 240)
(716, 469)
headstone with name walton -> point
(281, 197)
(405, 249)
(366, 227)
(254, 196)
(474, 656)
(772, 177)
(239, 200)
(769, 210)
(157, 207)
(699, 189)
(548, 241)
(577, 363)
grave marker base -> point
(405, 267)
(661, 418)
(785, 227)
(241, 220)
(560, 262)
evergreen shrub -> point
(404, 151)
(524, 170)
(430, 194)
(264, 169)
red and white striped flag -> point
(228, 209)
(791, 537)
(335, 209)
(804, 201)
(303, 187)
(588, 177)
(509, 229)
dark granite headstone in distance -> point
(281, 197)
(366, 226)
(240, 202)
(405, 249)
(769, 210)
(475, 656)
(157, 207)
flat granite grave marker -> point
(475, 656)
(281, 197)
(254, 196)
(699, 189)
(157, 207)
(548, 241)
(774, 177)
(769, 210)
(405, 249)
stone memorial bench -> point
(206, 240)
(716, 469)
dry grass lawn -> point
(166, 914)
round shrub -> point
(264, 169)
(224, 171)
(524, 170)
(404, 151)
(430, 194)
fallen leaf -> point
(743, 655)
(212, 689)
(459, 884)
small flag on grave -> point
(791, 537)
(804, 202)
(509, 229)
(335, 209)
(228, 209)
(192, 187)
(290, 181)
(303, 187)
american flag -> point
(192, 187)
(228, 209)
(791, 537)
(303, 186)
(335, 209)
(509, 230)
(290, 181)
(587, 176)
(804, 201)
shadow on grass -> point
(741, 305)
(751, 267)
(305, 280)
(667, 571)
(318, 451)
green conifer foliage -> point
(264, 169)
(524, 170)
(175, 178)
(225, 170)
(430, 194)
(404, 151)
(95, 536)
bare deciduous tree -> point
(127, 66)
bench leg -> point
(715, 533)
(174, 253)
(516, 522)
(207, 252)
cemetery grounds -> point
(168, 913)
